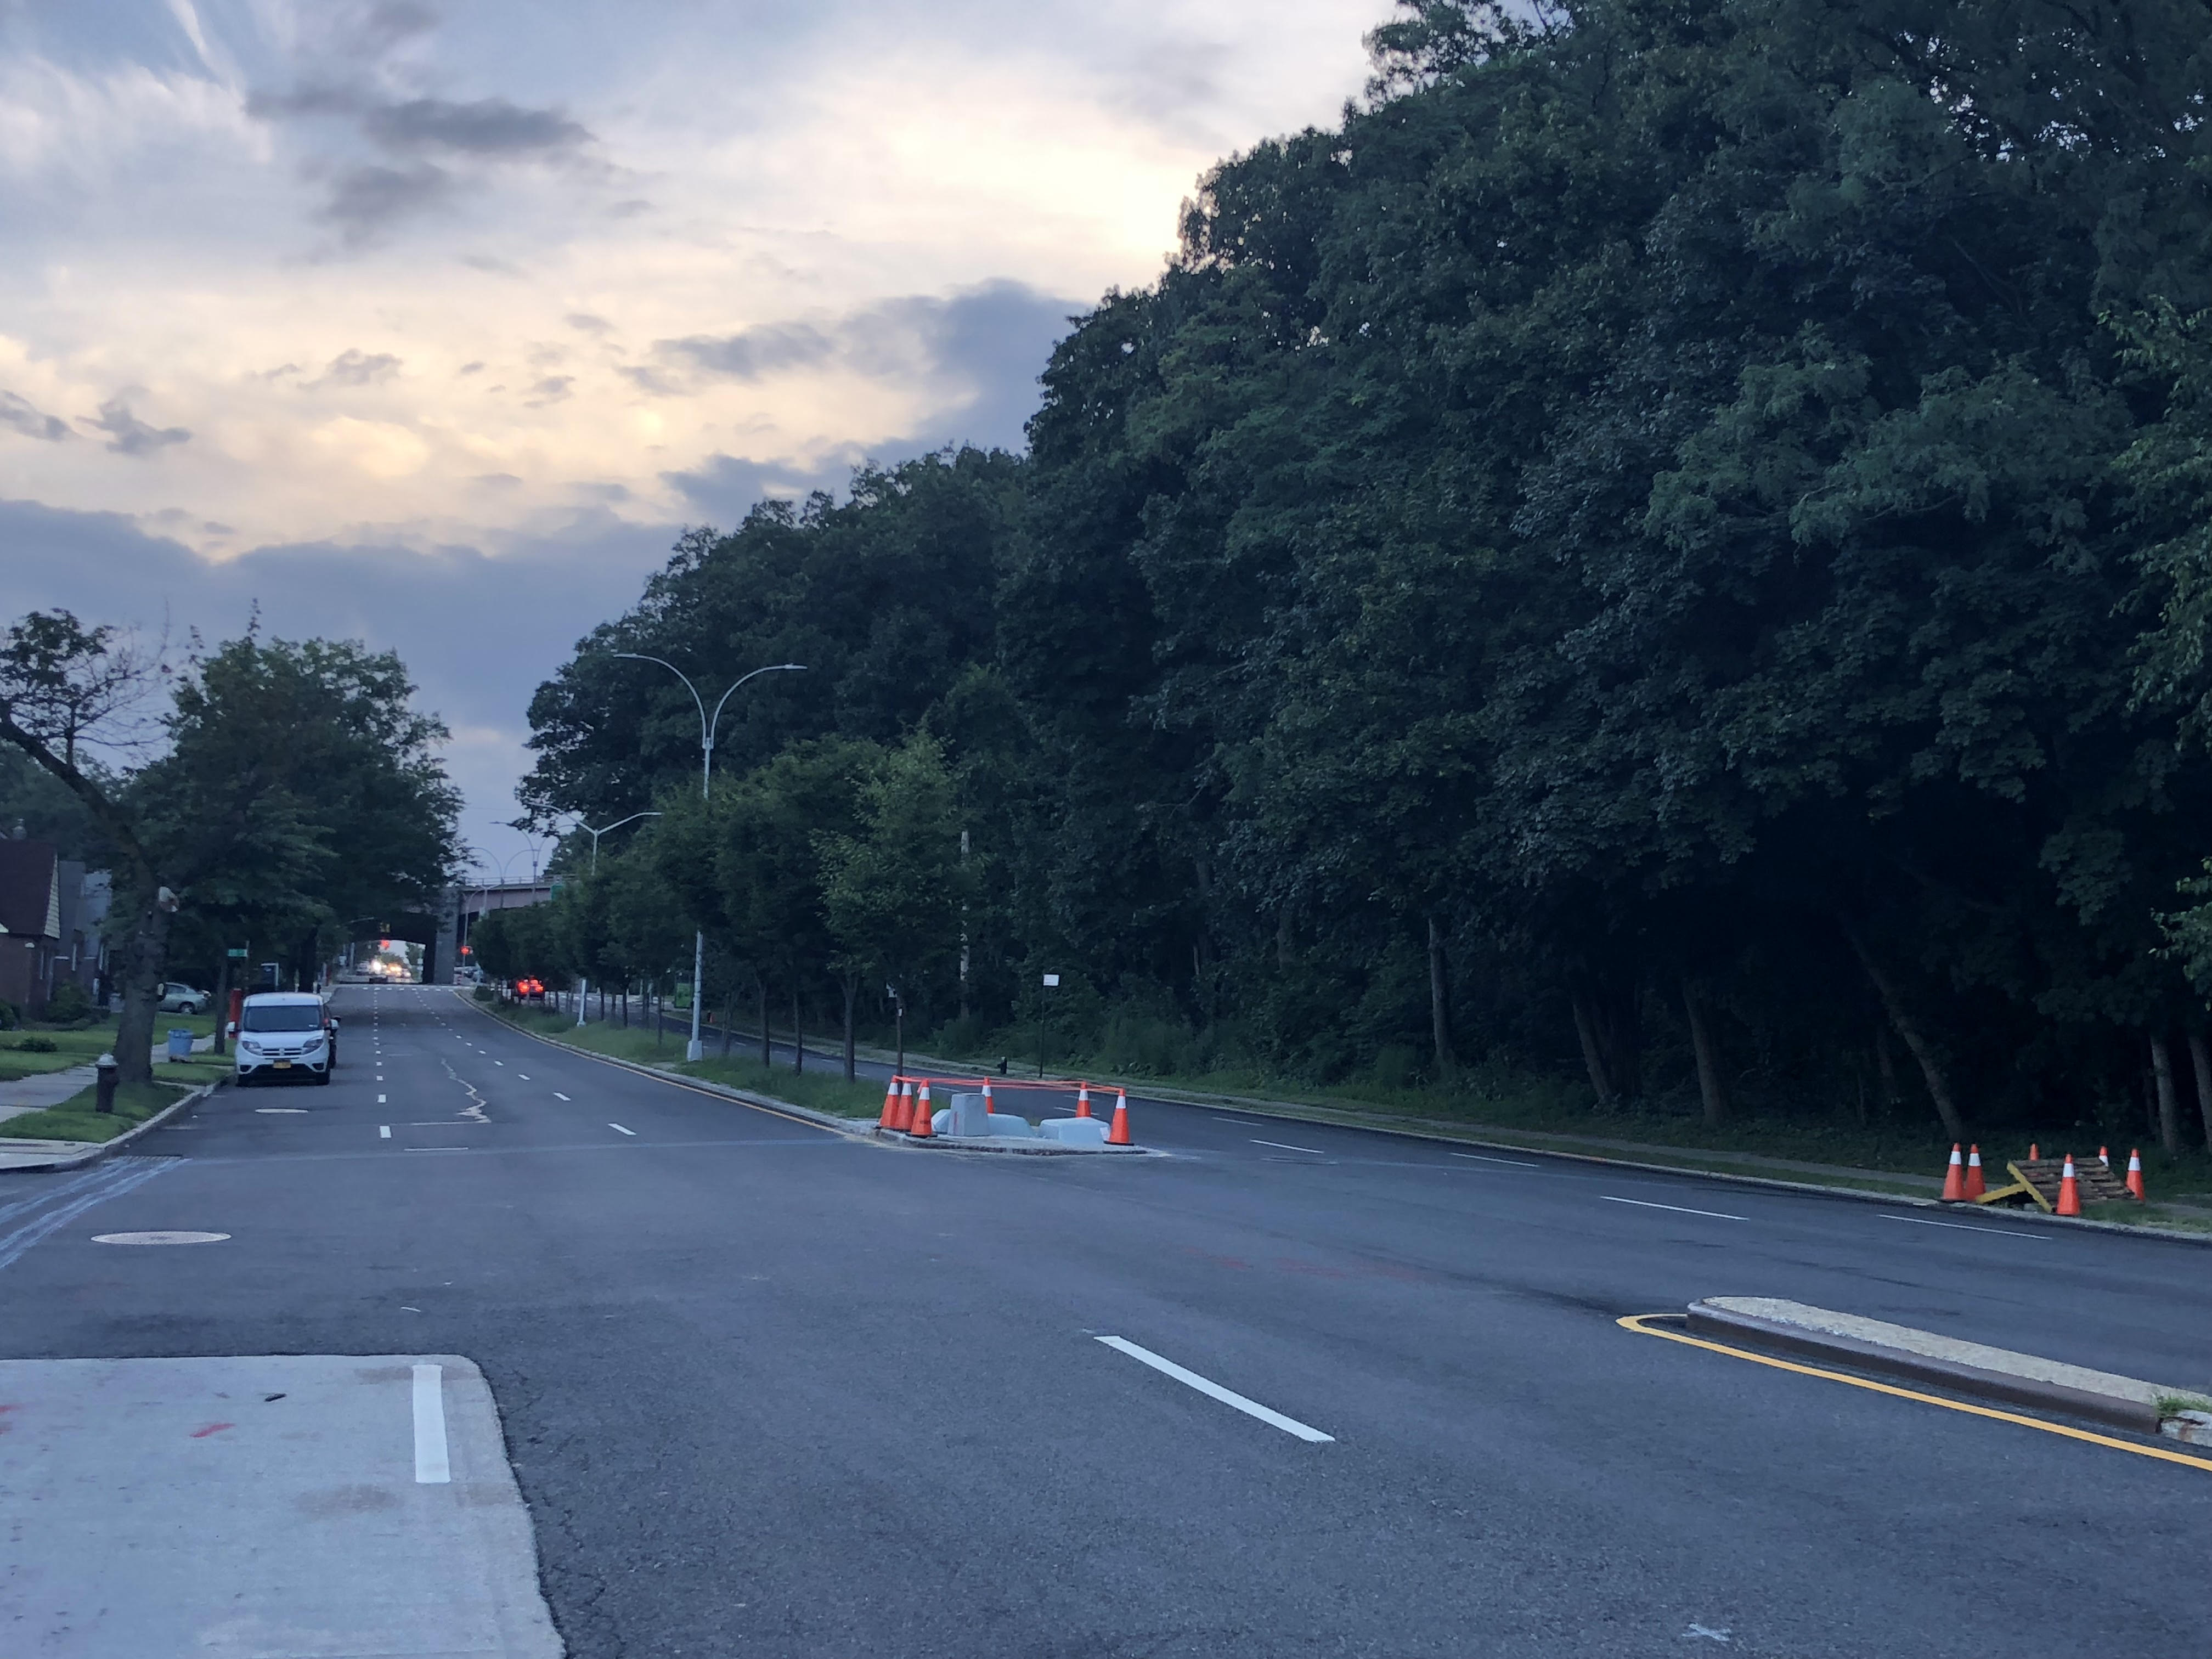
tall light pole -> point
(695, 1048)
(583, 981)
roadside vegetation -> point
(76, 1118)
(1649, 583)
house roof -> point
(30, 890)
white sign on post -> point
(1051, 980)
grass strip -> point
(74, 1119)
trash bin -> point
(180, 1043)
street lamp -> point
(603, 828)
(695, 1049)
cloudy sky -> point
(429, 322)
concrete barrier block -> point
(1005, 1123)
(968, 1117)
(1073, 1131)
(940, 1122)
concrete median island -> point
(1972, 1369)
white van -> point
(285, 1034)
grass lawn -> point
(84, 1044)
(822, 1086)
(74, 1119)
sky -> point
(431, 323)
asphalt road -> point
(771, 1391)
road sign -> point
(239, 952)
(1051, 979)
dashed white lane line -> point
(1518, 1164)
(384, 1132)
(496, 1062)
(1214, 1391)
(1956, 1227)
(1284, 1148)
(1641, 1205)
(525, 1076)
(379, 1099)
(557, 1095)
(618, 1127)
(434, 1149)
(432, 1466)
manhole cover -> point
(159, 1238)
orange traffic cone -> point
(2069, 1195)
(1954, 1178)
(890, 1118)
(2105, 1156)
(2135, 1174)
(2033, 1155)
(1975, 1185)
(988, 1106)
(904, 1115)
(919, 1129)
(1083, 1101)
(1119, 1134)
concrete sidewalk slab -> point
(44, 1088)
(1972, 1367)
(263, 1508)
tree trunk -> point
(1931, 1067)
(2200, 1057)
(729, 1008)
(760, 988)
(852, 994)
(2169, 1104)
(1710, 1090)
(798, 1037)
(144, 955)
(222, 1002)
(1592, 1056)
(1885, 1059)
(1440, 1029)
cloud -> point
(365, 200)
(550, 390)
(488, 126)
(18, 414)
(584, 323)
(725, 488)
(354, 367)
(129, 435)
(753, 353)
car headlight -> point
(246, 1047)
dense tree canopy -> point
(1672, 543)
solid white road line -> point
(1518, 1164)
(1956, 1227)
(1676, 1208)
(384, 1132)
(1280, 1147)
(431, 1466)
(619, 1128)
(557, 1095)
(1215, 1391)
(434, 1149)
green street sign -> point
(234, 953)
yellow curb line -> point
(1636, 1323)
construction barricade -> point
(972, 1112)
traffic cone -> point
(2033, 1155)
(2105, 1156)
(1119, 1134)
(2070, 1195)
(890, 1118)
(988, 1106)
(903, 1114)
(1975, 1185)
(2135, 1174)
(919, 1129)
(1954, 1178)
(1083, 1101)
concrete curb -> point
(108, 1148)
(860, 1129)
(1729, 1325)
(1008, 1144)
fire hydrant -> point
(104, 1089)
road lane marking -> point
(384, 1132)
(1281, 1146)
(557, 1095)
(1483, 1157)
(498, 1062)
(1640, 1324)
(434, 1149)
(1215, 1391)
(525, 1076)
(617, 1126)
(432, 1466)
(280, 1111)
(1960, 1227)
(379, 1099)
(1641, 1205)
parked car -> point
(184, 999)
(282, 1035)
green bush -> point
(485, 993)
(9, 1018)
(69, 1006)
(34, 1045)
